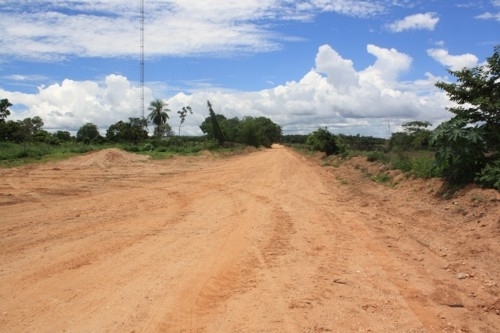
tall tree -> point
(4, 109)
(158, 116)
(218, 134)
(477, 93)
(183, 113)
(470, 141)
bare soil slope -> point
(264, 242)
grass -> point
(13, 154)
(418, 164)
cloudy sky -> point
(354, 66)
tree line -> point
(466, 148)
(259, 131)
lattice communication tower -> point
(142, 59)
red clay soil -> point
(268, 241)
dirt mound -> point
(104, 159)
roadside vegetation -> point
(462, 150)
(25, 141)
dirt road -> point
(263, 242)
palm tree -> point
(158, 115)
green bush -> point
(403, 163)
(324, 141)
(378, 156)
(490, 175)
(423, 167)
(460, 151)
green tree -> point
(24, 131)
(63, 136)
(250, 134)
(207, 125)
(324, 141)
(158, 116)
(44, 136)
(231, 128)
(216, 129)
(132, 131)
(258, 132)
(11, 131)
(30, 127)
(117, 132)
(88, 133)
(416, 136)
(470, 141)
(137, 129)
(182, 114)
(419, 133)
(4, 109)
(477, 93)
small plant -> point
(148, 147)
(381, 178)
(343, 181)
(478, 199)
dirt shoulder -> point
(268, 241)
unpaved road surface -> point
(268, 241)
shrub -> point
(490, 175)
(377, 156)
(403, 163)
(423, 167)
(461, 150)
(324, 141)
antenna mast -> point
(142, 59)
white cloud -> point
(425, 21)
(349, 7)
(340, 72)
(453, 62)
(389, 65)
(72, 103)
(51, 30)
(489, 16)
(332, 94)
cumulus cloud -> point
(70, 104)
(426, 21)
(51, 30)
(389, 65)
(335, 95)
(453, 62)
(332, 94)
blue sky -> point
(356, 67)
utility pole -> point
(142, 59)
